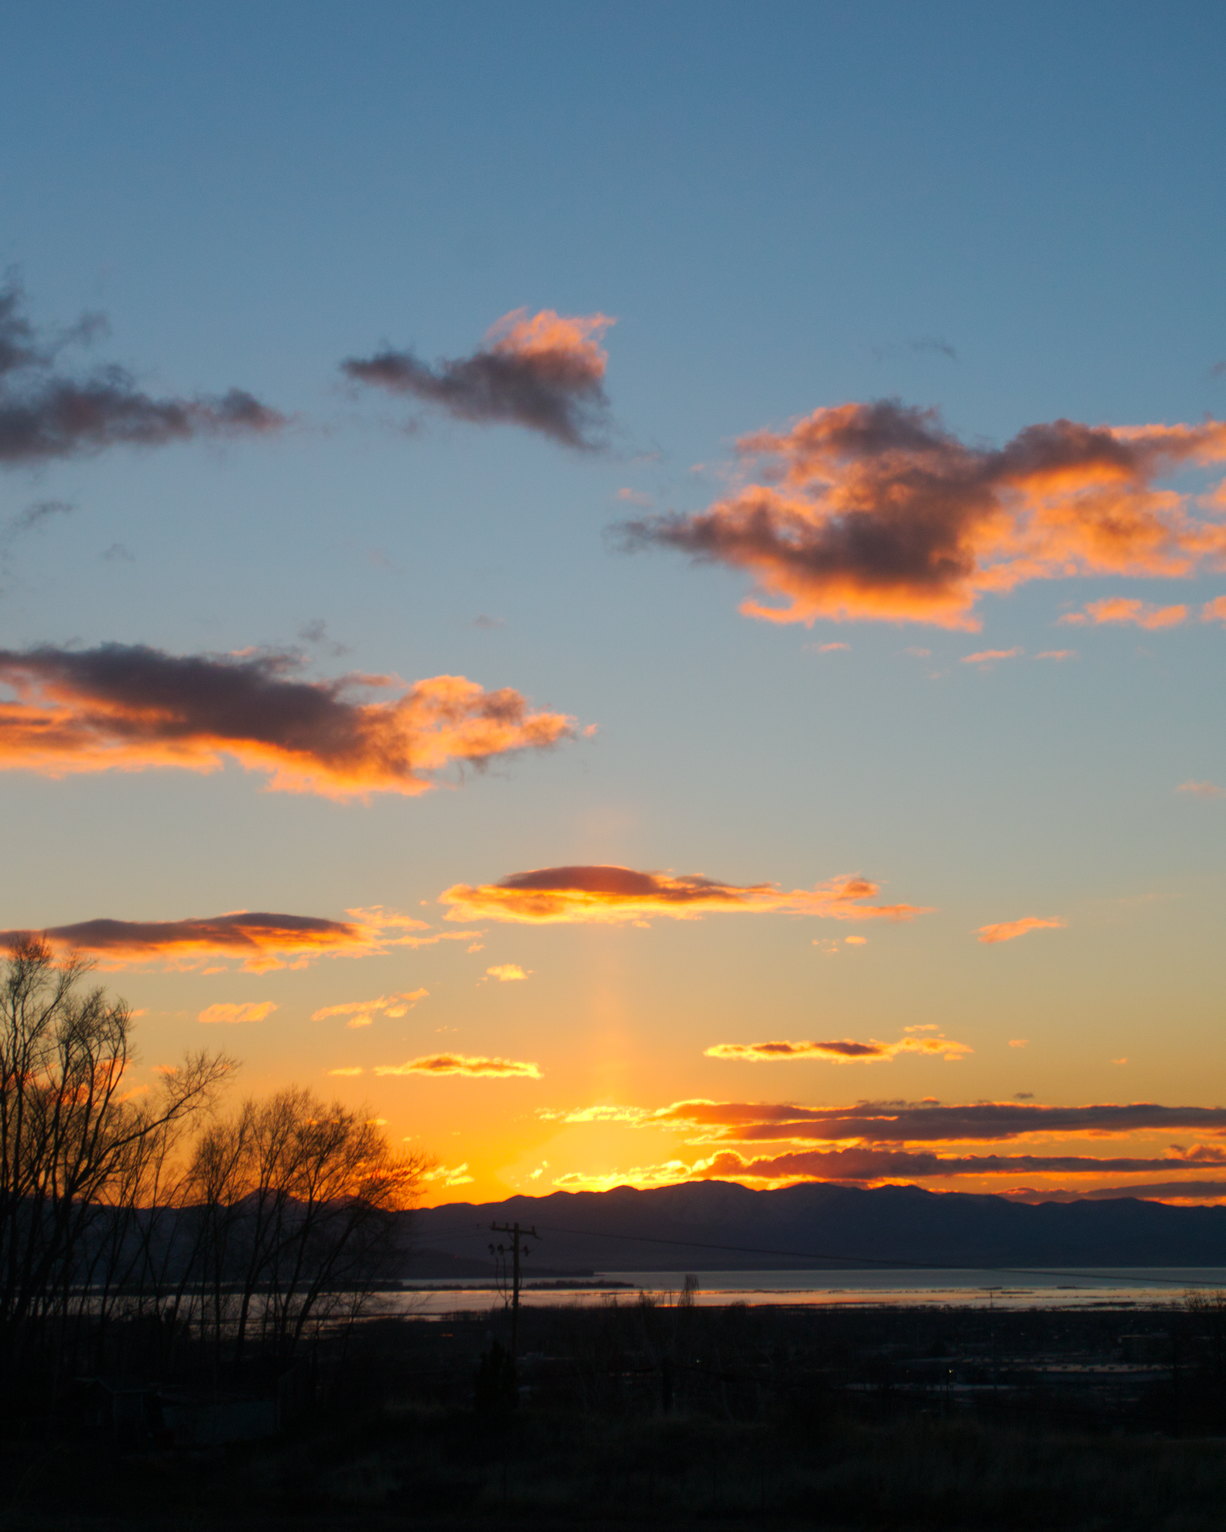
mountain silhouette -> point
(722, 1226)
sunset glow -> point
(686, 544)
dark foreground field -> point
(667, 1417)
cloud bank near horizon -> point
(890, 1141)
(128, 707)
(542, 371)
(877, 512)
(864, 1165)
(604, 894)
(902, 1122)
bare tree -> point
(74, 1139)
(297, 1201)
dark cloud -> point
(895, 1122)
(36, 515)
(875, 511)
(129, 707)
(1160, 1191)
(18, 345)
(315, 632)
(32, 519)
(544, 372)
(898, 1164)
(933, 343)
(47, 413)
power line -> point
(516, 1249)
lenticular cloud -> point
(876, 511)
(614, 895)
(128, 707)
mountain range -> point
(722, 1226)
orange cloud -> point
(1141, 614)
(362, 1013)
(131, 708)
(641, 1177)
(842, 1050)
(244, 1011)
(1214, 611)
(255, 940)
(507, 973)
(1010, 930)
(1057, 654)
(354, 1070)
(542, 371)
(875, 511)
(448, 1175)
(459, 1064)
(602, 1113)
(610, 895)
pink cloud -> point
(1010, 930)
(1202, 789)
(990, 656)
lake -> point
(1051, 1288)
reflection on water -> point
(1055, 1288)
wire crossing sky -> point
(493, 498)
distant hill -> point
(721, 1226)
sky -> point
(639, 589)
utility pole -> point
(516, 1249)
